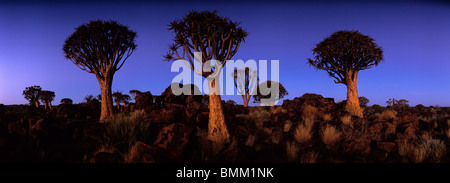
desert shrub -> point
(387, 115)
(259, 116)
(309, 114)
(405, 148)
(302, 133)
(330, 135)
(327, 117)
(287, 126)
(309, 157)
(427, 147)
(346, 120)
(311, 96)
(292, 150)
(419, 154)
(124, 130)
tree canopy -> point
(345, 52)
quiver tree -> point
(47, 97)
(265, 94)
(343, 55)
(212, 37)
(66, 101)
(101, 48)
(134, 93)
(363, 101)
(245, 81)
(32, 94)
(117, 98)
(89, 98)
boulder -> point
(143, 100)
(170, 113)
(385, 146)
(141, 153)
(173, 139)
(357, 148)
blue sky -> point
(415, 38)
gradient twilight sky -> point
(415, 37)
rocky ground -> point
(307, 129)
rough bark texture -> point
(107, 102)
(352, 96)
(217, 129)
(36, 104)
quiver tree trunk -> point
(245, 100)
(352, 96)
(107, 102)
(46, 105)
(36, 103)
(217, 128)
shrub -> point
(405, 148)
(124, 130)
(303, 133)
(330, 135)
(309, 114)
(429, 148)
(259, 116)
(346, 120)
(292, 150)
(327, 117)
(287, 126)
(387, 115)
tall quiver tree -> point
(217, 38)
(245, 81)
(343, 55)
(32, 94)
(47, 97)
(101, 48)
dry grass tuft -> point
(330, 135)
(302, 133)
(387, 115)
(287, 126)
(292, 150)
(309, 114)
(346, 120)
(327, 117)
(405, 148)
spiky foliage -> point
(270, 100)
(32, 94)
(342, 55)
(245, 81)
(101, 47)
(214, 36)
